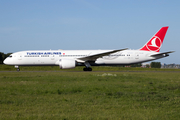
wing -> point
(99, 55)
(162, 54)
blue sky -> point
(88, 24)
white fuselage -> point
(52, 57)
(67, 59)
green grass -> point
(89, 95)
(80, 68)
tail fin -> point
(154, 44)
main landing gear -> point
(87, 68)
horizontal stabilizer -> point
(164, 54)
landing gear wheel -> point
(87, 69)
(18, 69)
(84, 69)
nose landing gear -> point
(16, 66)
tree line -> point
(3, 56)
(152, 65)
(155, 65)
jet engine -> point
(67, 63)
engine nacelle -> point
(67, 63)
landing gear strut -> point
(87, 68)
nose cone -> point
(5, 61)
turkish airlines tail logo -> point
(154, 44)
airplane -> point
(68, 59)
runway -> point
(98, 71)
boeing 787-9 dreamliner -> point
(67, 59)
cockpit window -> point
(10, 56)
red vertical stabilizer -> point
(154, 44)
